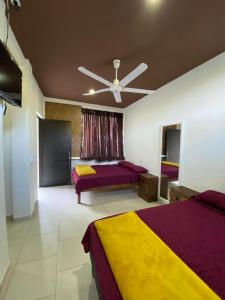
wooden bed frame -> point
(133, 186)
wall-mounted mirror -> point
(170, 158)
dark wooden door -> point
(54, 152)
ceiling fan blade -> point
(98, 92)
(134, 74)
(117, 96)
(138, 91)
(95, 76)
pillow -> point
(125, 163)
(132, 167)
(170, 163)
(84, 170)
(212, 198)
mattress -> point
(196, 235)
(106, 175)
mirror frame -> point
(181, 123)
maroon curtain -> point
(102, 135)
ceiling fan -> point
(117, 86)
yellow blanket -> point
(84, 170)
(144, 267)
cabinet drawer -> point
(147, 178)
(176, 198)
(143, 194)
(148, 187)
(181, 193)
(142, 186)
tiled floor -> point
(46, 253)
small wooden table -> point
(180, 193)
(148, 187)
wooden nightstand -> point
(164, 186)
(148, 187)
(179, 193)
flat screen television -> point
(10, 78)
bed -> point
(170, 170)
(122, 175)
(196, 235)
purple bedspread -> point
(105, 175)
(171, 171)
(193, 230)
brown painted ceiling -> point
(171, 36)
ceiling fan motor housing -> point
(116, 63)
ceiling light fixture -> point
(153, 2)
(3, 78)
(92, 91)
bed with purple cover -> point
(196, 235)
(171, 171)
(123, 173)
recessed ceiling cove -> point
(171, 37)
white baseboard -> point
(26, 218)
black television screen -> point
(10, 78)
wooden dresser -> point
(148, 187)
(179, 193)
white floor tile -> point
(51, 242)
(45, 210)
(138, 204)
(93, 213)
(107, 197)
(34, 280)
(39, 246)
(52, 297)
(71, 213)
(76, 283)
(44, 225)
(95, 198)
(72, 228)
(116, 208)
(18, 230)
(15, 247)
(71, 254)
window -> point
(102, 135)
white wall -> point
(198, 100)
(18, 147)
(20, 136)
(4, 258)
(7, 137)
